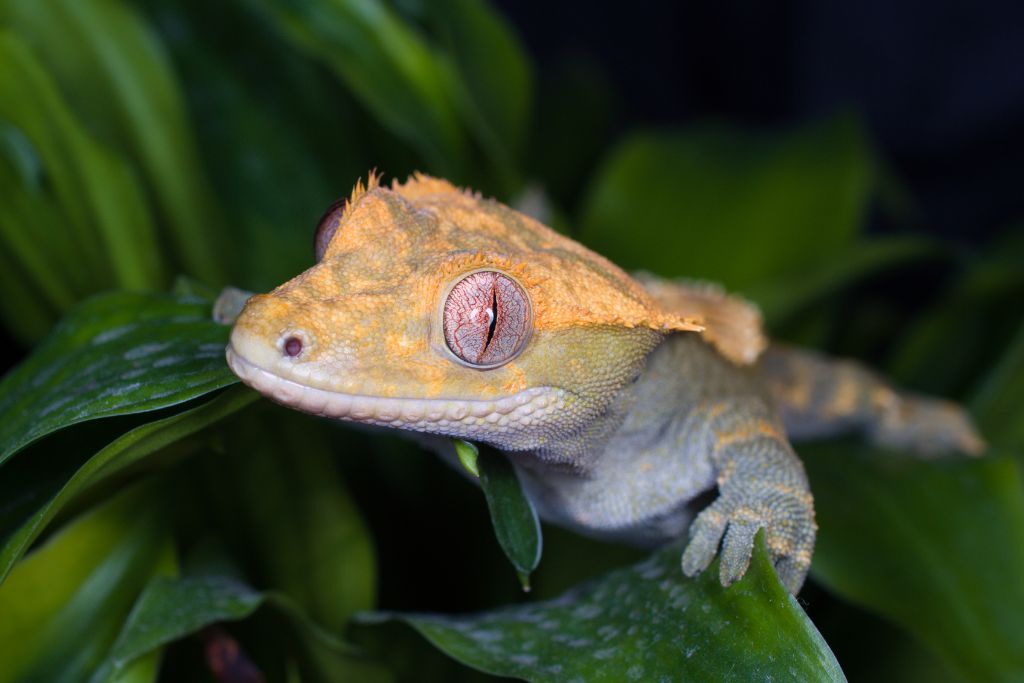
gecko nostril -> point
(292, 346)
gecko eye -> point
(327, 226)
(487, 319)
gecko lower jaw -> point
(463, 418)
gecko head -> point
(432, 309)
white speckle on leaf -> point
(587, 611)
(112, 334)
(145, 350)
(486, 636)
(55, 406)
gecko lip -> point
(433, 415)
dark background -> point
(939, 85)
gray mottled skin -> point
(692, 421)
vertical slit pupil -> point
(494, 319)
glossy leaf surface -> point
(512, 514)
(728, 205)
(645, 622)
(64, 605)
(38, 491)
(936, 547)
(116, 354)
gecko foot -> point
(927, 427)
(786, 513)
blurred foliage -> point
(143, 141)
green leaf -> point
(937, 547)
(390, 68)
(113, 70)
(729, 206)
(170, 609)
(976, 314)
(101, 203)
(275, 192)
(494, 74)
(25, 311)
(512, 514)
(37, 491)
(282, 503)
(784, 296)
(999, 402)
(646, 622)
(116, 354)
(64, 605)
(468, 455)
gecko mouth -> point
(463, 418)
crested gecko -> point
(623, 401)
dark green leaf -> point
(938, 547)
(170, 609)
(512, 514)
(493, 72)
(64, 605)
(30, 507)
(106, 224)
(390, 68)
(282, 501)
(784, 296)
(725, 205)
(274, 192)
(999, 403)
(975, 315)
(645, 623)
(116, 354)
(113, 70)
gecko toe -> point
(792, 572)
(705, 536)
(737, 548)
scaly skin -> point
(623, 403)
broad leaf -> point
(112, 68)
(38, 490)
(386, 64)
(116, 354)
(975, 315)
(784, 296)
(512, 514)
(104, 235)
(999, 402)
(729, 206)
(64, 605)
(301, 115)
(494, 79)
(644, 623)
(172, 609)
(282, 504)
(938, 547)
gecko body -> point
(626, 403)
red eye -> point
(327, 226)
(486, 318)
